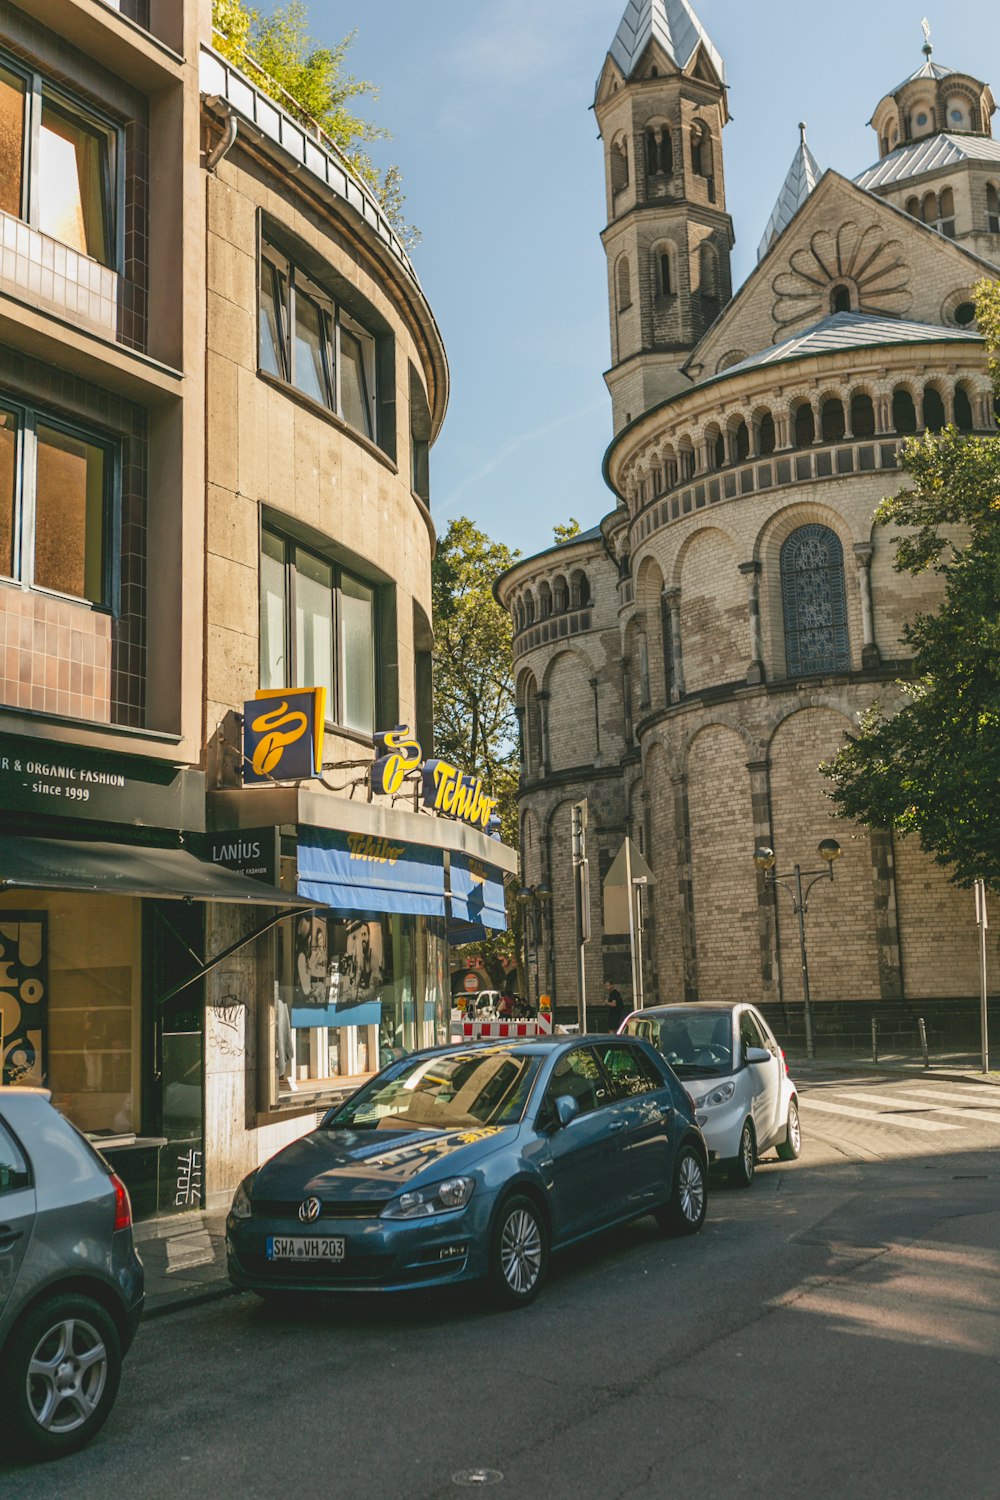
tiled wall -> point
(104, 677)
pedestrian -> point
(615, 1004)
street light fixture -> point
(764, 858)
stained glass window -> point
(814, 601)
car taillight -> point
(782, 1051)
(123, 1206)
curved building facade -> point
(743, 612)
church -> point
(688, 663)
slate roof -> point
(674, 25)
(593, 535)
(803, 175)
(851, 331)
(927, 69)
(926, 155)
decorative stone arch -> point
(767, 552)
(532, 867)
(966, 413)
(920, 105)
(658, 135)
(623, 284)
(636, 652)
(716, 718)
(738, 439)
(530, 605)
(956, 307)
(569, 706)
(649, 599)
(560, 594)
(802, 423)
(899, 419)
(730, 358)
(530, 717)
(862, 409)
(715, 524)
(714, 444)
(618, 159)
(936, 403)
(580, 593)
(664, 265)
(544, 599)
(763, 431)
(832, 414)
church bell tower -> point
(661, 105)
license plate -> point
(297, 1248)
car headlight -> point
(242, 1207)
(721, 1095)
(439, 1198)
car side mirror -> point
(758, 1055)
(567, 1109)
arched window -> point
(741, 442)
(814, 602)
(619, 165)
(992, 209)
(928, 209)
(708, 272)
(529, 609)
(862, 415)
(947, 213)
(652, 154)
(963, 409)
(934, 414)
(765, 435)
(831, 419)
(624, 285)
(718, 451)
(701, 151)
(805, 426)
(840, 299)
(667, 151)
(666, 274)
(913, 207)
(659, 153)
(544, 600)
(959, 117)
(904, 413)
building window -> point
(666, 279)
(992, 209)
(624, 285)
(840, 299)
(318, 628)
(57, 489)
(60, 166)
(309, 341)
(814, 602)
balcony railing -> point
(552, 628)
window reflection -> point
(12, 100)
(8, 490)
(70, 515)
(73, 183)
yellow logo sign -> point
(283, 735)
(277, 729)
(396, 754)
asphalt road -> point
(833, 1332)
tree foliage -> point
(933, 769)
(474, 720)
(565, 532)
(313, 85)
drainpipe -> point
(222, 148)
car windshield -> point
(459, 1091)
(696, 1043)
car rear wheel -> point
(742, 1170)
(792, 1144)
(519, 1253)
(60, 1376)
(685, 1213)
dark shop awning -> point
(129, 870)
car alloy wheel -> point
(792, 1144)
(519, 1253)
(61, 1375)
(746, 1159)
(685, 1212)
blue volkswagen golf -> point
(473, 1163)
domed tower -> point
(661, 106)
(938, 160)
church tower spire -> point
(661, 106)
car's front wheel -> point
(519, 1253)
(685, 1213)
(60, 1376)
(742, 1170)
(790, 1147)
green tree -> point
(566, 532)
(474, 719)
(933, 769)
(313, 84)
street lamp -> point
(829, 851)
(531, 899)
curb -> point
(196, 1299)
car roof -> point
(531, 1045)
(703, 1008)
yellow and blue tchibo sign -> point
(283, 735)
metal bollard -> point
(874, 1040)
(923, 1040)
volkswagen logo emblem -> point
(309, 1210)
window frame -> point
(335, 320)
(25, 512)
(290, 545)
(39, 89)
(791, 609)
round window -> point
(921, 119)
(965, 313)
(957, 116)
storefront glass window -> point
(70, 985)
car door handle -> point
(8, 1237)
(617, 1125)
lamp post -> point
(531, 899)
(829, 851)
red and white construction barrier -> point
(474, 1031)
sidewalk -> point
(185, 1255)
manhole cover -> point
(477, 1476)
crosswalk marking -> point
(808, 1102)
(971, 1111)
(898, 1101)
(954, 1096)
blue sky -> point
(489, 106)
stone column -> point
(627, 699)
(685, 888)
(597, 716)
(870, 654)
(543, 715)
(643, 644)
(767, 896)
(751, 572)
(673, 599)
(522, 744)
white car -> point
(735, 1073)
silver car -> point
(71, 1284)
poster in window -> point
(339, 971)
(24, 996)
